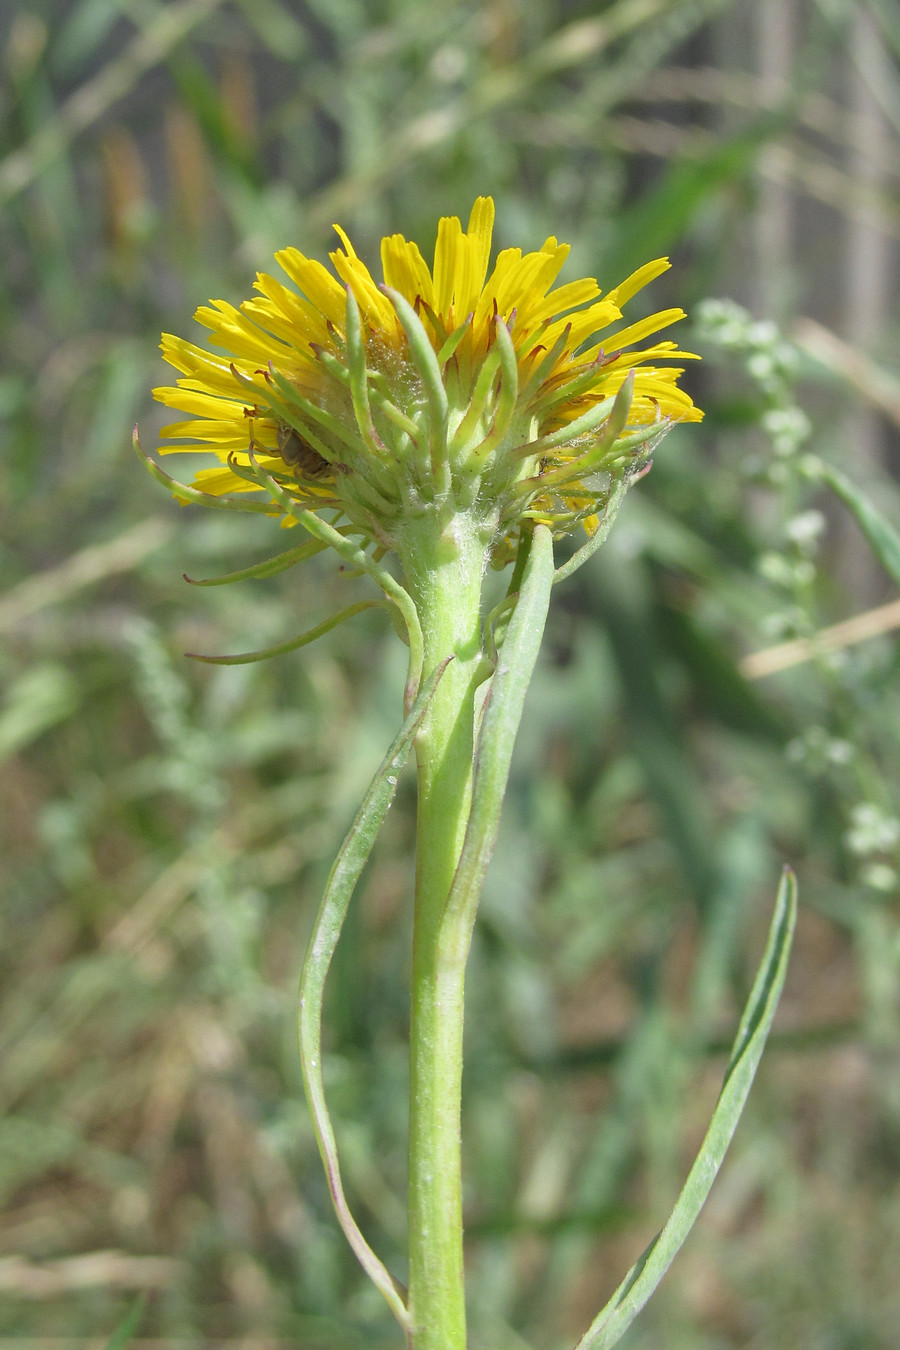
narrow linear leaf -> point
(644, 1276)
(880, 533)
(502, 715)
(341, 883)
(124, 1332)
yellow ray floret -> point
(279, 380)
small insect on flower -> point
(299, 454)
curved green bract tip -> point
(270, 567)
(453, 340)
(185, 493)
(596, 454)
(356, 557)
(543, 368)
(581, 555)
(429, 371)
(359, 388)
(507, 400)
(478, 401)
(423, 355)
(292, 644)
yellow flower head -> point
(458, 388)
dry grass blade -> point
(873, 623)
(875, 384)
(93, 99)
(89, 565)
(93, 1270)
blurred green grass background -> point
(166, 828)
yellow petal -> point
(201, 404)
(637, 331)
(375, 306)
(405, 270)
(563, 299)
(220, 481)
(321, 289)
(636, 282)
(446, 264)
(474, 258)
(481, 229)
(230, 330)
(586, 323)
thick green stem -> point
(444, 577)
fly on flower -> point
(299, 454)
(459, 389)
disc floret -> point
(441, 392)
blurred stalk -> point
(773, 222)
(868, 263)
(96, 96)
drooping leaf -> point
(883, 537)
(345, 873)
(122, 1336)
(644, 1276)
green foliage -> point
(167, 828)
(124, 1332)
(639, 1284)
(342, 880)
